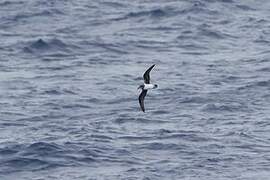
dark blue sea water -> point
(69, 72)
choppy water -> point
(69, 70)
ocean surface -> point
(69, 72)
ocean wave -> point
(265, 83)
(155, 13)
(159, 146)
(40, 156)
(23, 164)
(245, 8)
(264, 69)
(9, 3)
(254, 85)
(121, 120)
(27, 16)
(217, 107)
(198, 7)
(114, 4)
(43, 148)
(32, 157)
(55, 46)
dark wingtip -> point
(153, 65)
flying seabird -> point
(146, 86)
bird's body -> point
(146, 86)
(149, 86)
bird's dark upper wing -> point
(141, 99)
(146, 75)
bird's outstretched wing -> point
(141, 99)
(146, 75)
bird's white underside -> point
(148, 86)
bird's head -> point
(155, 86)
(141, 87)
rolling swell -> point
(40, 156)
(51, 46)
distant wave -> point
(8, 3)
(155, 13)
(54, 46)
(254, 85)
(232, 107)
(39, 156)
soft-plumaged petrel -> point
(146, 86)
